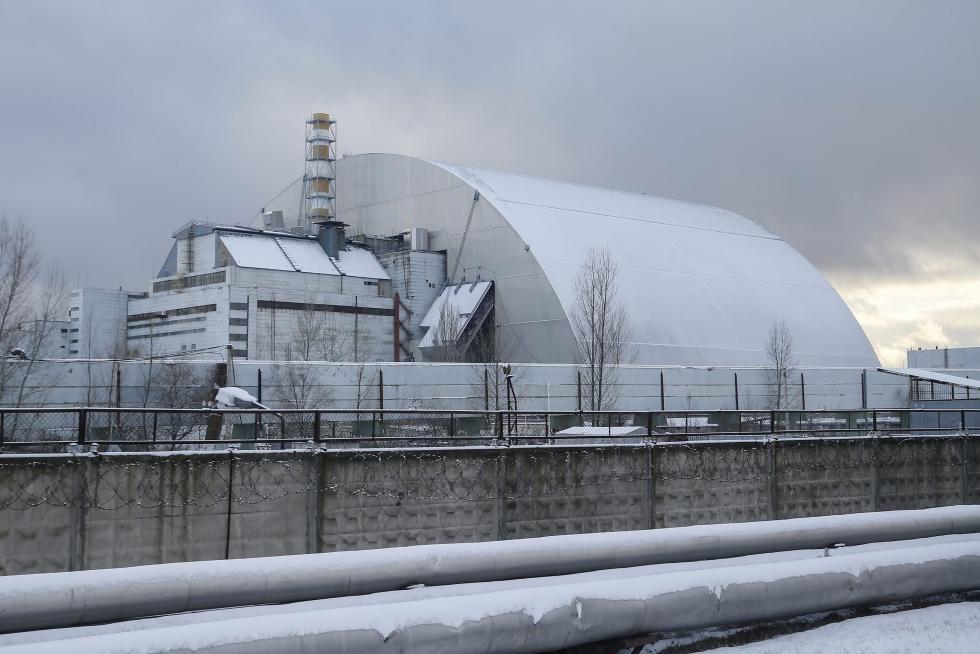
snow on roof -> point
(307, 256)
(280, 252)
(462, 299)
(358, 262)
(602, 431)
(938, 377)
(256, 252)
(689, 421)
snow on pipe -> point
(554, 617)
(378, 600)
(86, 597)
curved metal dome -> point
(702, 285)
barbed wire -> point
(205, 479)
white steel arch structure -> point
(703, 285)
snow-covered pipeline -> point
(76, 598)
(548, 618)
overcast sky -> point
(851, 128)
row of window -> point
(162, 334)
(189, 282)
(183, 311)
(335, 308)
(164, 323)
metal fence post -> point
(231, 475)
(875, 486)
(82, 425)
(772, 485)
(964, 473)
(316, 427)
(1, 427)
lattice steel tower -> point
(319, 202)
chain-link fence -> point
(183, 429)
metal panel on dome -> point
(703, 285)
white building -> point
(97, 323)
(270, 294)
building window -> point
(162, 334)
(237, 337)
(335, 308)
(163, 323)
(238, 306)
(183, 311)
(189, 282)
(238, 322)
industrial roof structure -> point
(278, 250)
(702, 285)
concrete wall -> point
(539, 387)
(64, 512)
(945, 358)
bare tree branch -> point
(601, 325)
(779, 351)
(445, 339)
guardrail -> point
(155, 428)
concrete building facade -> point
(270, 294)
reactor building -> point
(404, 245)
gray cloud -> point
(848, 128)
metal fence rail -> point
(136, 429)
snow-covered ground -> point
(943, 628)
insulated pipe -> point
(574, 614)
(75, 598)
(528, 585)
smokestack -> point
(331, 237)
(318, 182)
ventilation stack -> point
(321, 172)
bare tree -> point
(445, 338)
(19, 268)
(317, 336)
(779, 351)
(489, 382)
(29, 309)
(39, 335)
(181, 387)
(601, 325)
